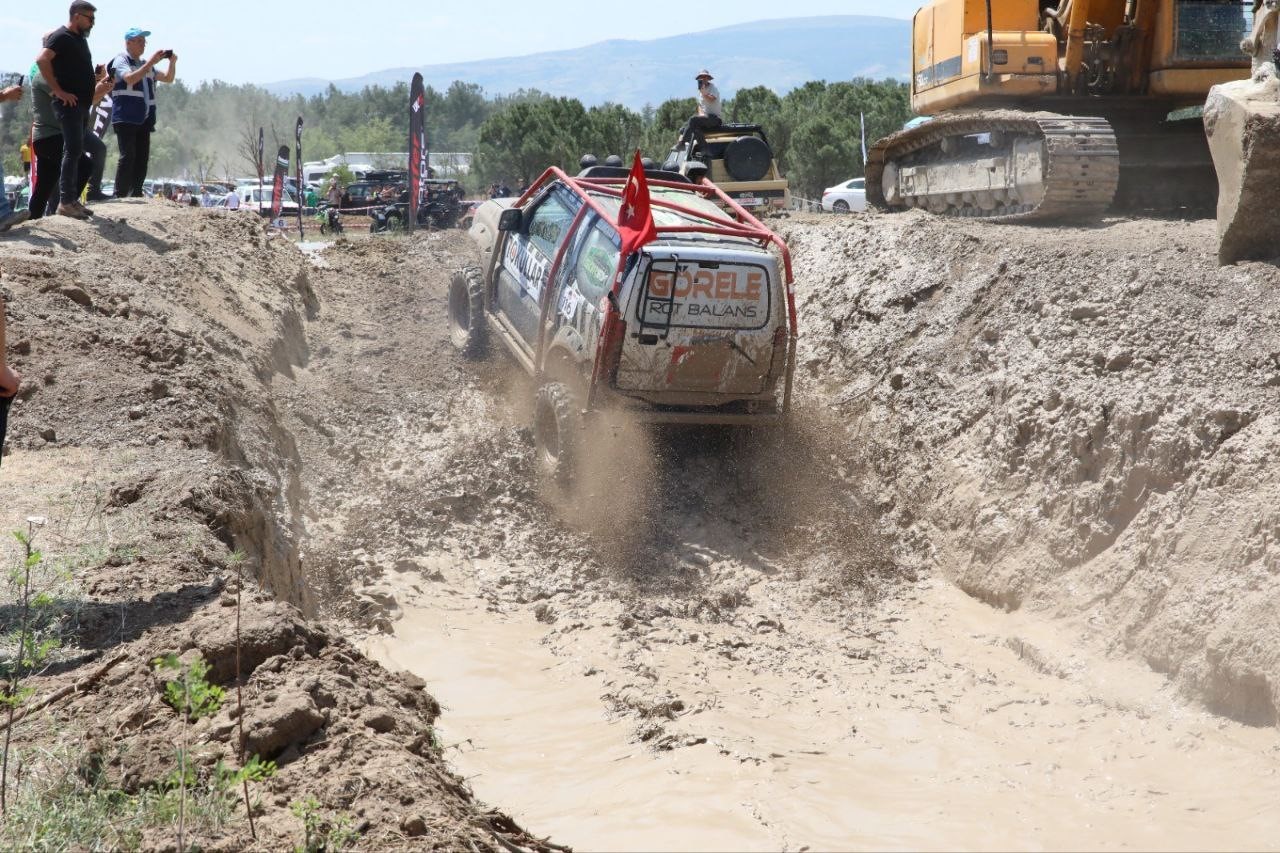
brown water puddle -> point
(964, 746)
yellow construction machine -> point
(1060, 109)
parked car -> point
(697, 327)
(846, 196)
(259, 200)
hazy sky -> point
(260, 41)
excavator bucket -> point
(1242, 120)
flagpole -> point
(301, 196)
(862, 121)
(261, 152)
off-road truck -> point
(696, 327)
(738, 159)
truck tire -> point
(466, 312)
(557, 436)
(747, 158)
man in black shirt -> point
(68, 66)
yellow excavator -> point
(1052, 110)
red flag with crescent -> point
(635, 218)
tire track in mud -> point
(745, 616)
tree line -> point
(211, 130)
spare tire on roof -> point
(747, 158)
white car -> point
(847, 196)
(251, 200)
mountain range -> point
(779, 54)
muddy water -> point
(976, 729)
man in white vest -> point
(133, 108)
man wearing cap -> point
(133, 108)
(708, 117)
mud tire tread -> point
(555, 407)
(467, 330)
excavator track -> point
(1031, 167)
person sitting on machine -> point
(709, 112)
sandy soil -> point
(148, 437)
(1010, 583)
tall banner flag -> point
(261, 165)
(277, 182)
(297, 153)
(862, 120)
(418, 168)
(635, 219)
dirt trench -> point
(775, 650)
(1007, 586)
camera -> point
(168, 54)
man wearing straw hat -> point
(708, 117)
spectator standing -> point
(93, 144)
(133, 108)
(206, 200)
(232, 200)
(25, 150)
(334, 195)
(46, 135)
(311, 200)
(8, 219)
(66, 63)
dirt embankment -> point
(1082, 421)
(1072, 421)
(149, 436)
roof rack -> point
(740, 224)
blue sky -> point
(243, 41)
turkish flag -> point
(635, 219)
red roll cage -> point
(740, 224)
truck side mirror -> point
(510, 219)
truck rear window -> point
(705, 296)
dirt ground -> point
(1010, 583)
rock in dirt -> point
(272, 727)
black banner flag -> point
(261, 164)
(418, 168)
(297, 153)
(277, 182)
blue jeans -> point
(5, 207)
(72, 120)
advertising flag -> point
(262, 137)
(102, 117)
(862, 121)
(297, 153)
(277, 182)
(419, 171)
(635, 219)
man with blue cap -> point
(133, 108)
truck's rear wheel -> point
(466, 312)
(557, 434)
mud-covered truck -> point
(696, 327)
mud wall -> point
(162, 329)
(1079, 420)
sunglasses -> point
(88, 15)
